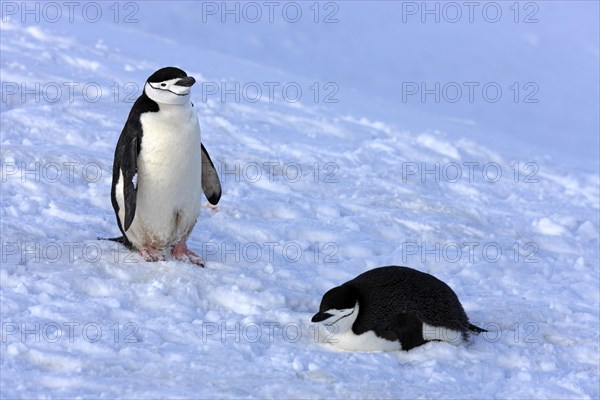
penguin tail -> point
(121, 239)
(475, 329)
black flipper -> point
(406, 328)
(409, 330)
(210, 180)
(126, 163)
(126, 154)
(129, 168)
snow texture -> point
(314, 193)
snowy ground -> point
(314, 194)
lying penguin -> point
(392, 308)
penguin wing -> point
(125, 168)
(405, 328)
(409, 330)
(126, 157)
(129, 168)
(210, 180)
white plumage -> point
(169, 178)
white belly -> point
(367, 341)
(169, 185)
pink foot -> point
(151, 254)
(181, 252)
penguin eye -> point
(163, 84)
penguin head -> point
(339, 309)
(169, 85)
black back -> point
(388, 293)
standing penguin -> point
(161, 169)
(392, 308)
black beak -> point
(187, 81)
(320, 316)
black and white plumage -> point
(392, 308)
(161, 169)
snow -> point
(314, 193)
